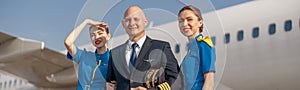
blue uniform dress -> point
(200, 59)
(92, 69)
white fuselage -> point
(267, 62)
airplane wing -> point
(40, 66)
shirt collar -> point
(103, 53)
(139, 42)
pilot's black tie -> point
(133, 56)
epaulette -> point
(207, 40)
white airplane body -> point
(268, 61)
(247, 58)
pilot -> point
(92, 66)
(198, 65)
(141, 63)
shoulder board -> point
(207, 40)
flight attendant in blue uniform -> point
(92, 66)
(198, 65)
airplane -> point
(8, 82)
(40, 66)
(256, 47)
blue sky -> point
(50, 21)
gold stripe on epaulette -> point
(161, 87)
(164, 86)
(167, 86)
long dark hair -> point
(196, 11)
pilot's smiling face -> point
(188, 23)
(134, 23)
(99, 36)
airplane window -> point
(4, 85)
(20, 82)
(240, 35)
(177, 49)
(272, 29)
(213, 39)
(9, 84)
(227, 38)
(255, 32)
(288, 25)
(15, 82)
